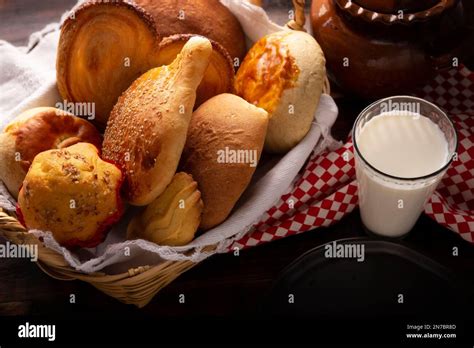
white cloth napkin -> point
(28, 79)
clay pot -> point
(377, 48)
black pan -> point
(392, 280)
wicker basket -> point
(138, 285)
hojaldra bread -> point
(147, 128)
(34, 131)
(208, 18)
(284, 73)
(219, 75)
(224, 144)
(103, 47)
(173, 218)
(72, 193)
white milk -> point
(404, 145)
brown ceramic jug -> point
(377, 48)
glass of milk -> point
(403, 146)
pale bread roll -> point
(284, 73)
(223, 125)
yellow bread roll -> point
(284, 73)
(72, 193)
(225, 141)
(173, 218)
(147, 128)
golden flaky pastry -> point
(173, 218)
(284, 73)
(103, 47)
(147, 128)
(72, 193)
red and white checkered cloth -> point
(325, 190)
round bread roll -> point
(225, 141)
(284, 73)
(147, 128)
(72, 193)
(208, 18)
(34, 131)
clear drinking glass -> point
(390, 205)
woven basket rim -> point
(12, 230)
(137, 286)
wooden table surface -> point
(221, 285)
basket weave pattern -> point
(137, 286)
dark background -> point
(222, 285)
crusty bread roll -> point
(147, 128)
(34, 131)
(72, 193)
(173, 218)
(284, 73)
(225, 140)
(103, 48)
(203, 17)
